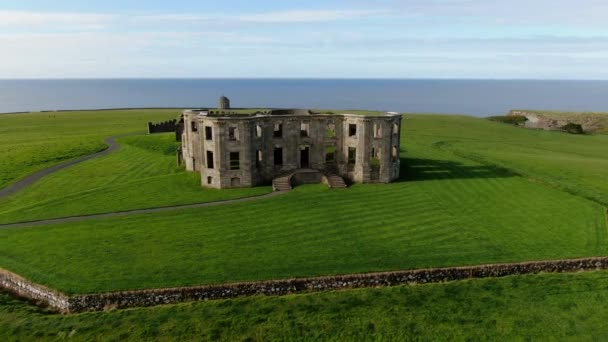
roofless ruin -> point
(244, 148)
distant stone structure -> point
(162, 127)
(287, 146)
(224, 103)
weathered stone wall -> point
(303, 141)
(103, 301)
(24, 288)
(289, 286)
(162, 127)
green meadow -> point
(32, 141)
(460, 201)
(471, 191)
(531, 307)
(142, 174)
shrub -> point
(509, 119)
(573, 128)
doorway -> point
(304, 157)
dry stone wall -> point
(125, 299)
(25, 288)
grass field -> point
(30, 142)
(453, 206)
(142, 174)
(532, 307)
(471, 191)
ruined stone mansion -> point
(239, 148)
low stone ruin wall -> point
(25, 288)
(125, 299)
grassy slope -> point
(142, 174)
(446, 210)
(575, 163)
(30, 142)
(546, 307)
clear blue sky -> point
(532, 39)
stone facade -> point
(138, 298)
(235, 150)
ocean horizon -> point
(476, 97)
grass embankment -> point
(546, 307)
(33, 141)
(142, 174)
(446, 210)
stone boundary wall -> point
(140, 298)
(24, 288)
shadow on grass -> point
(416, 169)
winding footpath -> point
(112, 146)
(138, 211)
(27, 181)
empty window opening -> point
(377, 131)
(395, 153)
(352, 155)
(278, 156)
(235, 181)
(330, 154)
(278, 130)
(194, 126)
(209, 180)
(209, 160)
(395, 128)
(233, 133)
(235, 161)
(330, 131)
(258, 158)
(304, 129)
(352, 130)
(258, 131)
(208, 133)
(375, 159)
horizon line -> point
(300, 78)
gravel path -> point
(9, 190)
(138, 211)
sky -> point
(515, 39)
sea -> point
(470, 97)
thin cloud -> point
(274, 17)
(28, 19)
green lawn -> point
(446, 210)
(575, 163)
(142, 174)
(472, 191)
(33, 141)
(531, 307)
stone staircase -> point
(335, 181)
(282, 183)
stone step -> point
(282, 183)
(336, 181)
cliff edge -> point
(553, 120)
